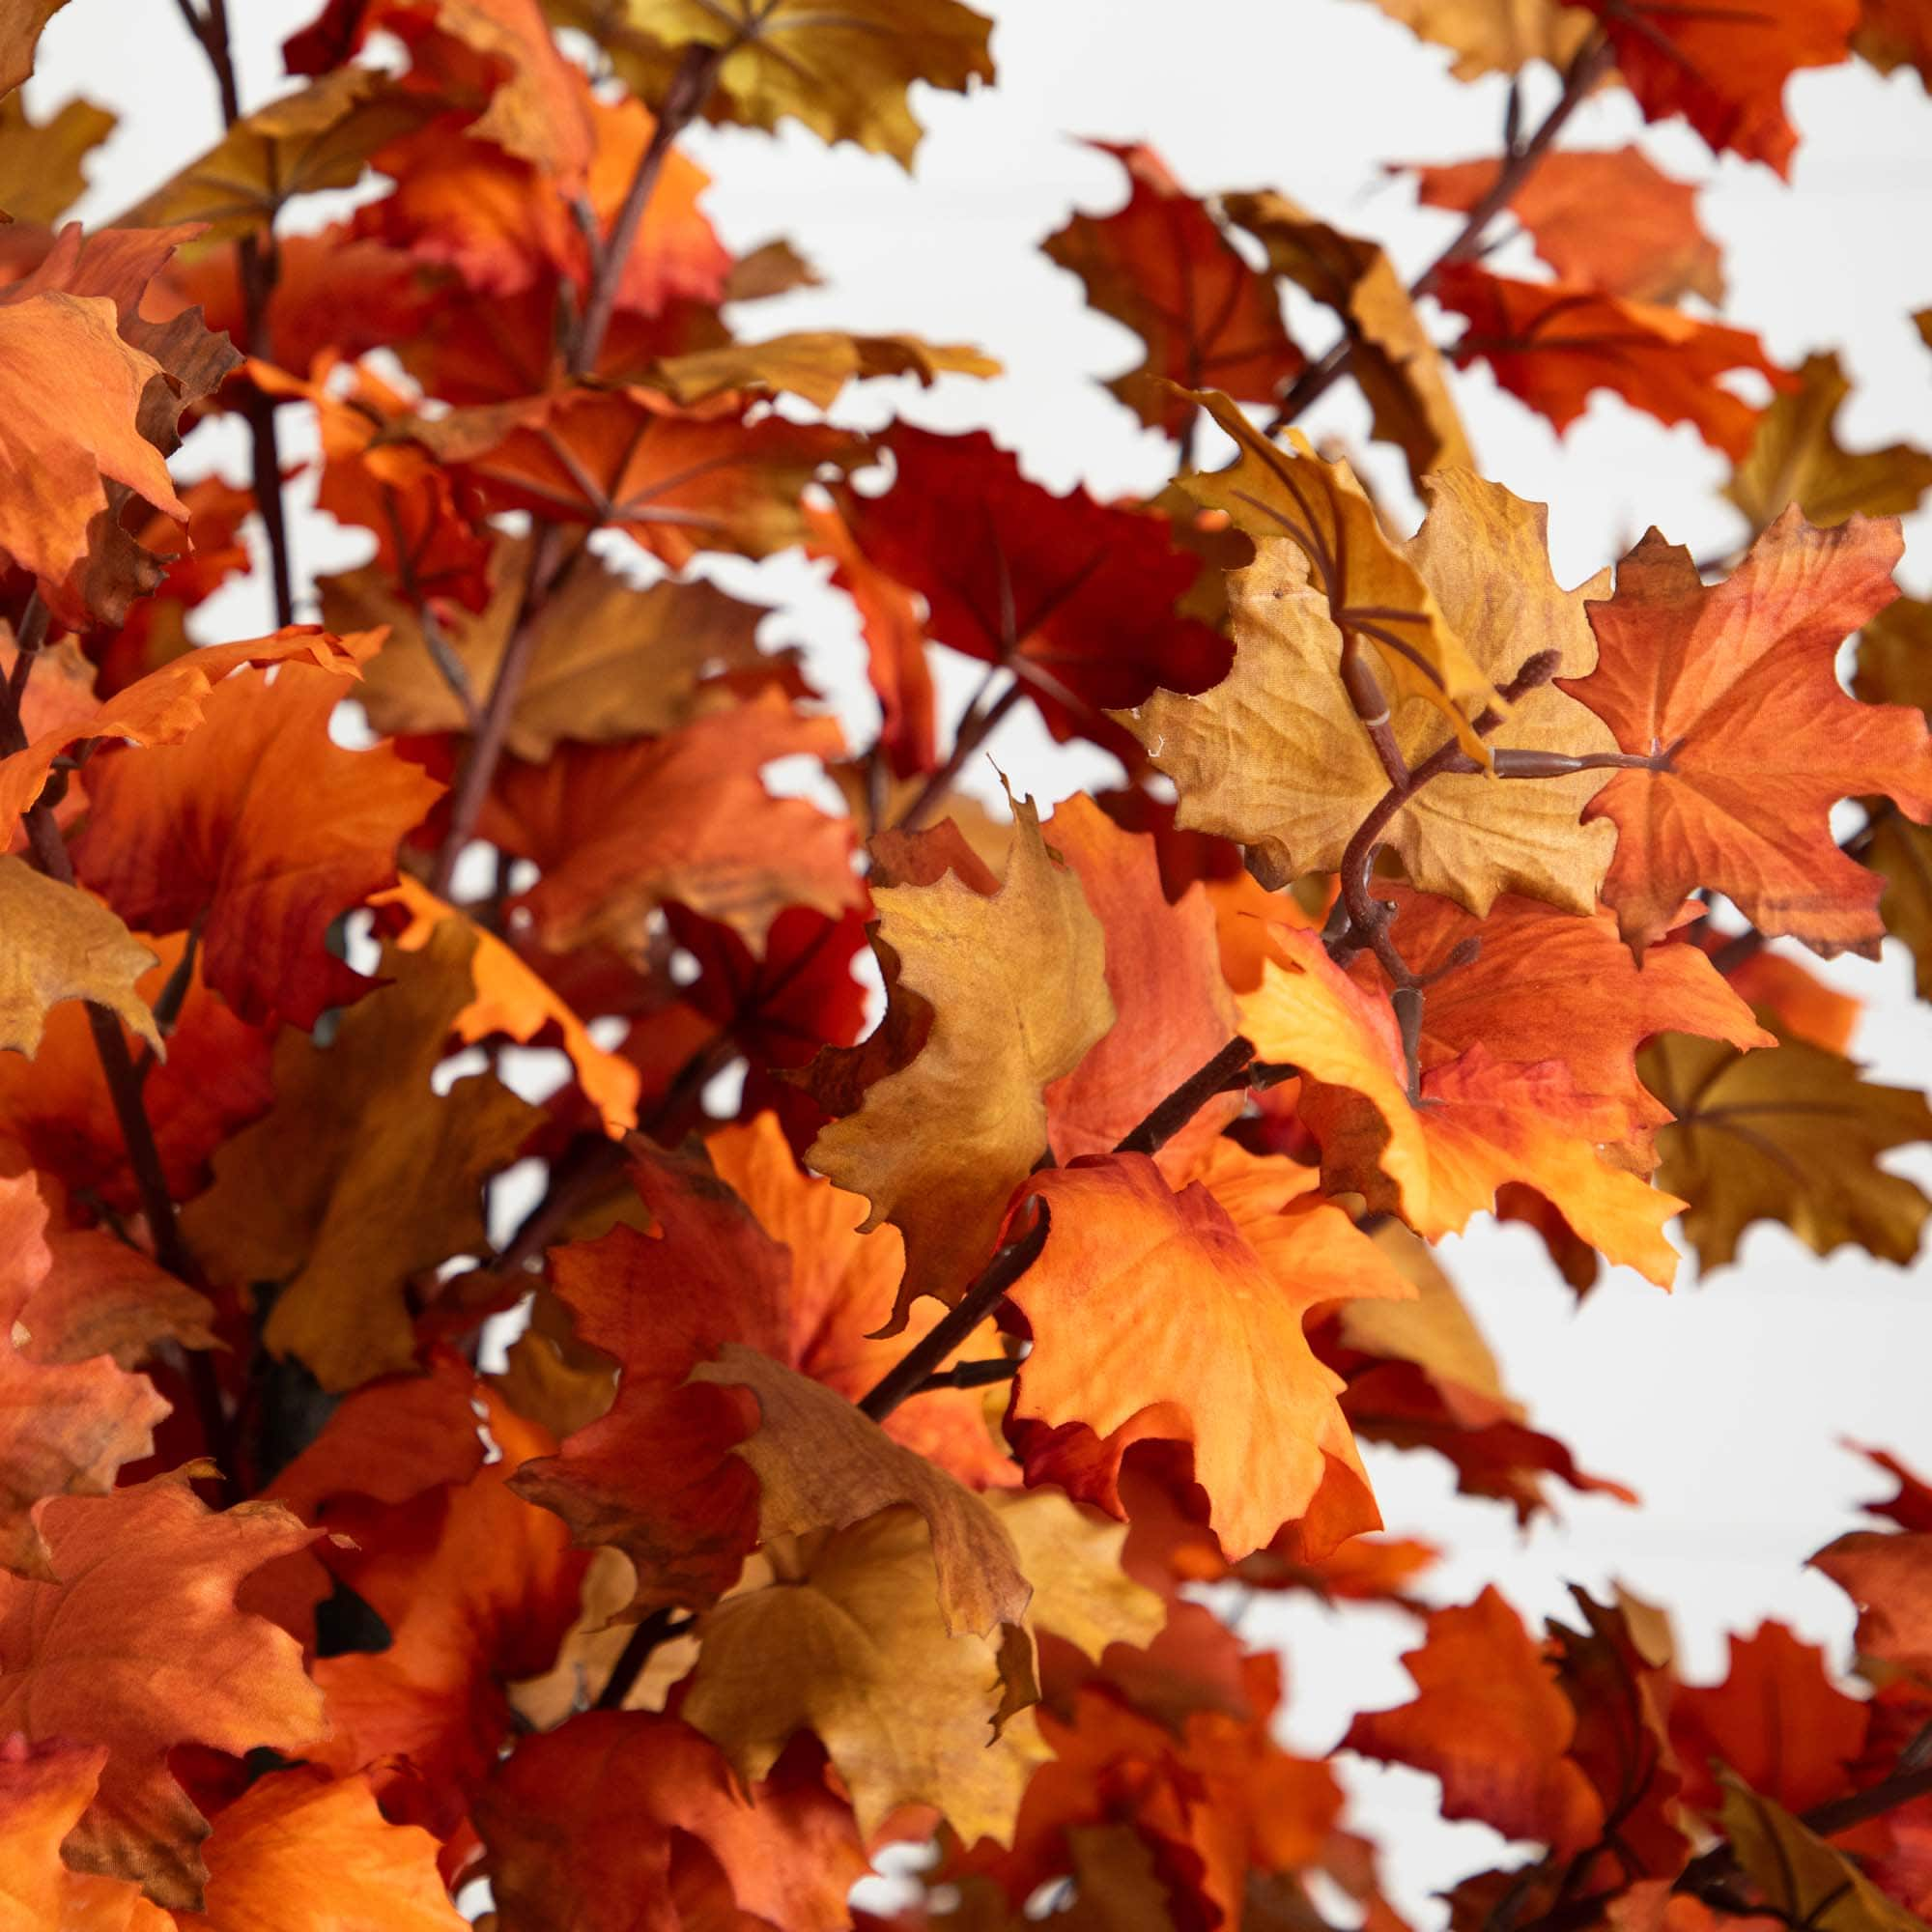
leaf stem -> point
(978, 725)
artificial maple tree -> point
(826, 1458)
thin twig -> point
(1225, 1069)
(972, 1375)
(1515, 169)
(645, 1639)
(905, 1376)
(978, 725)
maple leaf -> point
(424, 523)
(1391, 353)
(844, 74)
(893, 1690)
(1013, 984)
(822, 1463)
(41, 163)
(73, 433)
(1796, 458)
(1552, 345)
(536, 100)
(1297, 507)
(1723, 66)
(306, 1853)
(167, 705)
(307, 1195)
(1892, 34)
(205, 832)
(322, 136)
(1885, 1577)
(815, 364)
(618, 829)
(1655, 251)
(894, 621)
(1239, 1382)
(44, 1790)
(677, 481)
(63, 946)
(1162, 267)
(1799, 1875)
(1420, 1375)
(623, 1817)
(1735, 683)
(1172, 1012)
(473, 1586)
(609, 661)
(1076, 598)
(841, 1287)
(512, 1000)
(1488, 1722)
(145, 1604)
(57, 1114)
(1777, 1722)
(1276, 756)
(499, 223)
(1556, 988)
(1789, 1134)
(70, 1423)
(1482, 1122)
(1496, 36)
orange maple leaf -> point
(1734, 683)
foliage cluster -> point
(878, 1417)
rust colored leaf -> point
(618, 829)
(624, 1817)
(262, 829)
(308, 1196)
(1735, 682)
(1776, 1721)
(1483, 1120)
(1077, 598)
(1723, 65)
(1552, 345)
(1889, 1578)
(1490, 1722)
(1162, 266)
(1655, 251)
(146, 1602)
(679, 481)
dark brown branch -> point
(971, 1375)
(1226, 1070)
(656, 1629)
(924, 1358)
(974, 728)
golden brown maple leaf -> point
(844, 73)
(62, 944)
(815, 364)
(1013, 984)
(610, 660)
(20, 25)
(1734, 684)
(42, 171)
(1276, 756)
(1791, 1134)
(308, 1195)
(1392, 356)
(906, 1709)
(1312, 521)
(1494, 36)
(1799, 1875)
(1796, 458)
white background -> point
(1725, 1404)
